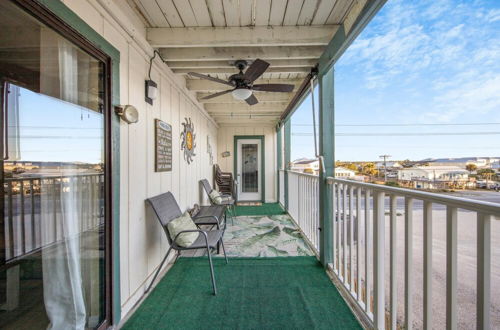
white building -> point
(344, 173)
(304, 165)
(429, 177)
(480, 162)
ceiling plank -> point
(262, 10)
(231, 12)
(234, 70)
(241, 36)
(292, 12)
(186, 12)
(201, 85)
(307, 13)
(168, 9)
(153, 13)
(201, 13)
(353, 14)
(263, 97)
(216, 11)
(324, 9)
(246, 13)
(277, 14)
(230, 64)
(228, 107)
(339, 11)
(235, 53)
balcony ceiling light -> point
(241, 93)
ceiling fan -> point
(242, 83)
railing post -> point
(326, 149)
(408, 263)
(378, 260)
(451, 268)
(393, 262)
(288, 131)
(483, 271)
(427, 265)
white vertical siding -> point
(142, 243)
(225, 142)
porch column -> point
(326, 149)
(279, 159)
(288, 130)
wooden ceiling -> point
(207, 36)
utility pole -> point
(384, 157)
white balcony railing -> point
(303, 197)
(362, 253)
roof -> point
(436, 168)
(208, 36)
(305, 161)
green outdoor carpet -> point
(264, 209)
(253, 293)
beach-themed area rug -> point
(264, 236)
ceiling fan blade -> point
(216, 94)
(217, 80)
(285, 88)
(255, 70)
(251, 100)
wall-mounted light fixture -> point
(128, 113)
(151, 90)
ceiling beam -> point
(316, 35)
(230, 64)
(228, 107)
(200, 85)
(230, 70)
(261, 96)
(244, 53)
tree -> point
(369, 169)
(471, 168)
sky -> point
(53, 130)
(421, 81)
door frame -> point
(59, 17)
(262, 159)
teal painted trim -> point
(299, 103)
(262, 155)
(327, 149)
(340, 41)
(73, 20)
(278, 148)
(288, 145)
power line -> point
(407, 134)
(404, 125)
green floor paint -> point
(253, 293)
(264, 209)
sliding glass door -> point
(53, 226)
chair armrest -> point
(193, 231)
(209, 216)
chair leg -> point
(223, 249)
(158, 271)
(211, 271)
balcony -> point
(313, 252)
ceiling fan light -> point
(242, 93)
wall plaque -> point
(163, 146)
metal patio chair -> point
(228, 200)
(166, 209)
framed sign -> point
(163, 146)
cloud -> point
(447, 53)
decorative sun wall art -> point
(188, 143)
